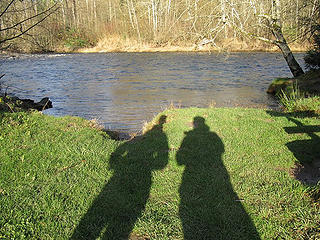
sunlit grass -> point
(296, 103)
(61, 177)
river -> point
(123, 90)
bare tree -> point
(179, 22)
(17, 27)
(275, 25)
(272, 21)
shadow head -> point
(162, 120)
(198, 122)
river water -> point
(123, 90)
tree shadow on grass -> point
(307, 152)
(114, 212)
(209, 207)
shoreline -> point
(145, 48)
(178, 50)
(17, 54)
(116, 44)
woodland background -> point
(67, 25)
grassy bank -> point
(299, 94)
(194, 174)
(308, 83)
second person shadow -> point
(209, 207)
(122, 200)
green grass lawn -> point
(215, 173)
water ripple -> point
(122, 90)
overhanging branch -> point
(251, 35)
(6, 9)
(47, 13)
(29, 18)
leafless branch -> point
(5, 10)
(48, 12)
(29, 18)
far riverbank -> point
(120, 45)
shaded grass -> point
(53, 170)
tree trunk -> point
(276, 27)
(281, 42)
(294, 66)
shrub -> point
(297, 101)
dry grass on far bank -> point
(119, 44)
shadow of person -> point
(306, 151)
(114, 212)
(209, 208)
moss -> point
(278, 84)
(15, 104)
(308, 83)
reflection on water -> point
(122, 90)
